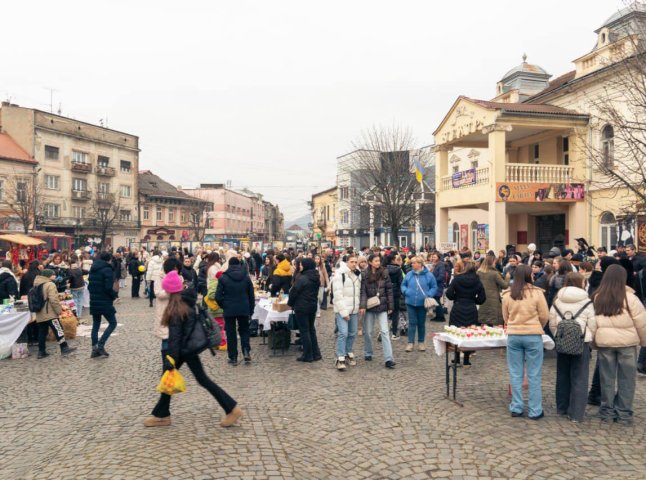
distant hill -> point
(300, 221)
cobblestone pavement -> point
(81, 418)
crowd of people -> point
(388, 290)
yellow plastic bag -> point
(171, 381)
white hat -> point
(247, 254)
(531, 247)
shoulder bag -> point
(429, 302)
(374, 301)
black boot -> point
(42, 355)
(96, 353)
(247, 355)
(66, 349)
(103, 352)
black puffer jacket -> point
(101, 288)
(235, 292)
(76, 278)
(202, 286)
(377, 283)
(303, 296)
(178, 329)
(8, 286)
(396, 278)
(189, 275)
(466, 291)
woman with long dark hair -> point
(490, 312)
(621, 326)
(558, 280)
(180, 317)
(375, 304)
(303, 298)
(525, 312)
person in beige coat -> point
(161, 331)
(525, 312)
(572, 371)
(621, 327)
(47, 317)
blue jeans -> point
(523, 349)
(368, 327)
(416, 321)
(346, 335)
(77, 296)
(96, 324)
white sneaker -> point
(318, 315)
(394, 337)
(340, 364)
(352, 361)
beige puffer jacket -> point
(52, 308)
(625, 330)
(527, 316)
(160, 305)
(573, 299)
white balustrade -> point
(532, 173)
(482, 178)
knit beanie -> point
(308, 264)
(172, 282)
(47, 273)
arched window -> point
(608, 146)
(456, 234)
(608, 230)
(474, 236)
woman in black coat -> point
(396, 277)
(303, 298)
(235, 296)
(180, 317)
(102, 296)
(466, 291)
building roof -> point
(525, 68)
(294, 228)
(10, 150)
(558, 82)
(154, 186)
(536, 108)
(635, 7)
(331, 189)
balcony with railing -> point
(105, 171)
(536, 173)
(81, 194)
(481, 178)
(105, 197)
(81, 167)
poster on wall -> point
(539, 192)
(464, 235)
(483, 237)
(641, 234)
(465, 177)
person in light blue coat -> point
(418, 285)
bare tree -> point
(382, 167)
(106, 211)
(199, 218)
(23, 198)
(616, 146)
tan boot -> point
(421, 347)
(231, 417)
(409, 347)
(157, 422)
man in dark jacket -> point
(102, 296)
(133, 270)
(8, 282)
(236, 297)
(395, 272)
(303, 298)
(188, 273)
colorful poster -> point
(540, 192)
(483, 237)
(641, 234)
(464, 235)
(466, 177)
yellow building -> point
(517, 169)
(324, 215)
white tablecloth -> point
(11, 326)
(266, 316)
(440, 340)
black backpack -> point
(568, 339)
(205, 334)
(36, 298)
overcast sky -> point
(268, 93)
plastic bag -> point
(172, 381)
(19, 350)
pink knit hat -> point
(172, 282)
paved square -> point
(81, 418)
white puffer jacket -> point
(346, 293)
(154, 268)
(572, 299)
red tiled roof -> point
(10, 150)
(556, 83)
(539, 108)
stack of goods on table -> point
(474, 332)
(280, 304)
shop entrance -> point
(550, 232)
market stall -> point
(273, 314)
(21, 247)
(456, 340)
(12, 324)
